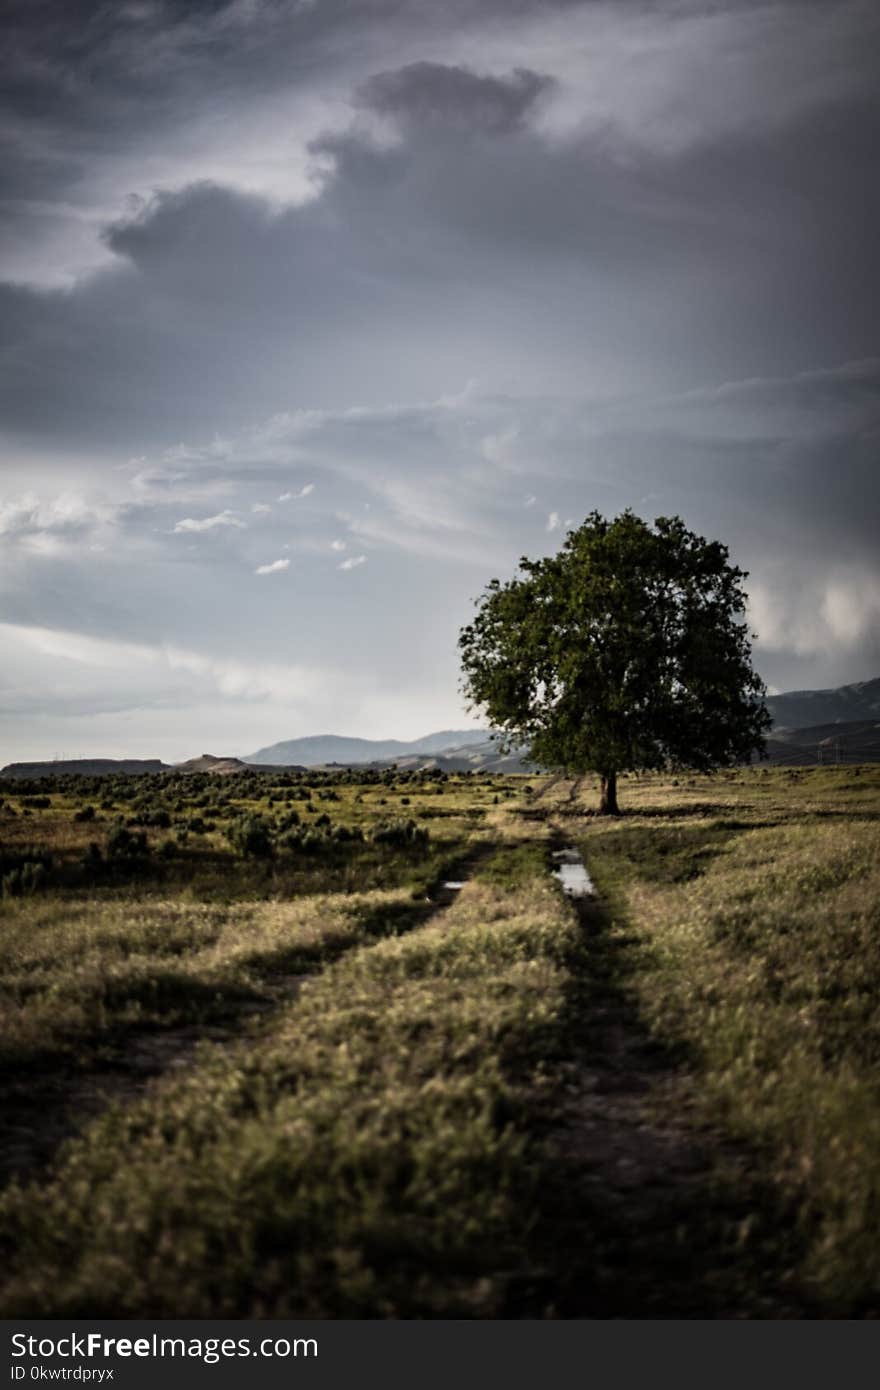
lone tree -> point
(628, 650)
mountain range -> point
(463, 749)
(801, 709)
(845, 741)
(842, 724)
(320, 749)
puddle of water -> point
(571, 871)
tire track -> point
(662, 1201)
(39, 1118)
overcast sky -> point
(317, 314)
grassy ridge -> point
(758, 952)
(368, 1159)
(79, 976)
(187, 928)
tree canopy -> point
(627, 650)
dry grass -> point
(759, 951)
(377, 1148)
(78, 974)
(367, 1159)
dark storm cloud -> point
(82, 81)
(98, 67)
(506, 254)
(434, 94)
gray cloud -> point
(531, 263)
(440, 97)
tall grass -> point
(387, 1144)
(369, 1158)
(758, 951)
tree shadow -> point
(678, 811)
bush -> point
(85, 814)
(290, 840)
(402, 834)
(11, 859)
(25, 880)
(145, 814)
(249, 835)
(343, 833)
(123, 844)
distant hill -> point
(225, 767)
(320, 749)
(84, 767)
(802, 721)
(472, 757)
(207, 762)
(849, 741)
(803, 709)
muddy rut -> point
(651, 1213)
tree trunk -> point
(608, 803)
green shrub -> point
(147, 814)
(122, 843)
(344, 833)
(249, 835)
(402, 834)
(13, 859)
(27, 879)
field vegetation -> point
(260, 1060)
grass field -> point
(258, 1061)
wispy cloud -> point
(338, 545)
(136, 673)
(500, 448)
(29, 514)
(295, 496)
(352, 562)
(260, 508)
(274, 568)
(209, 523)
(553, 521)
